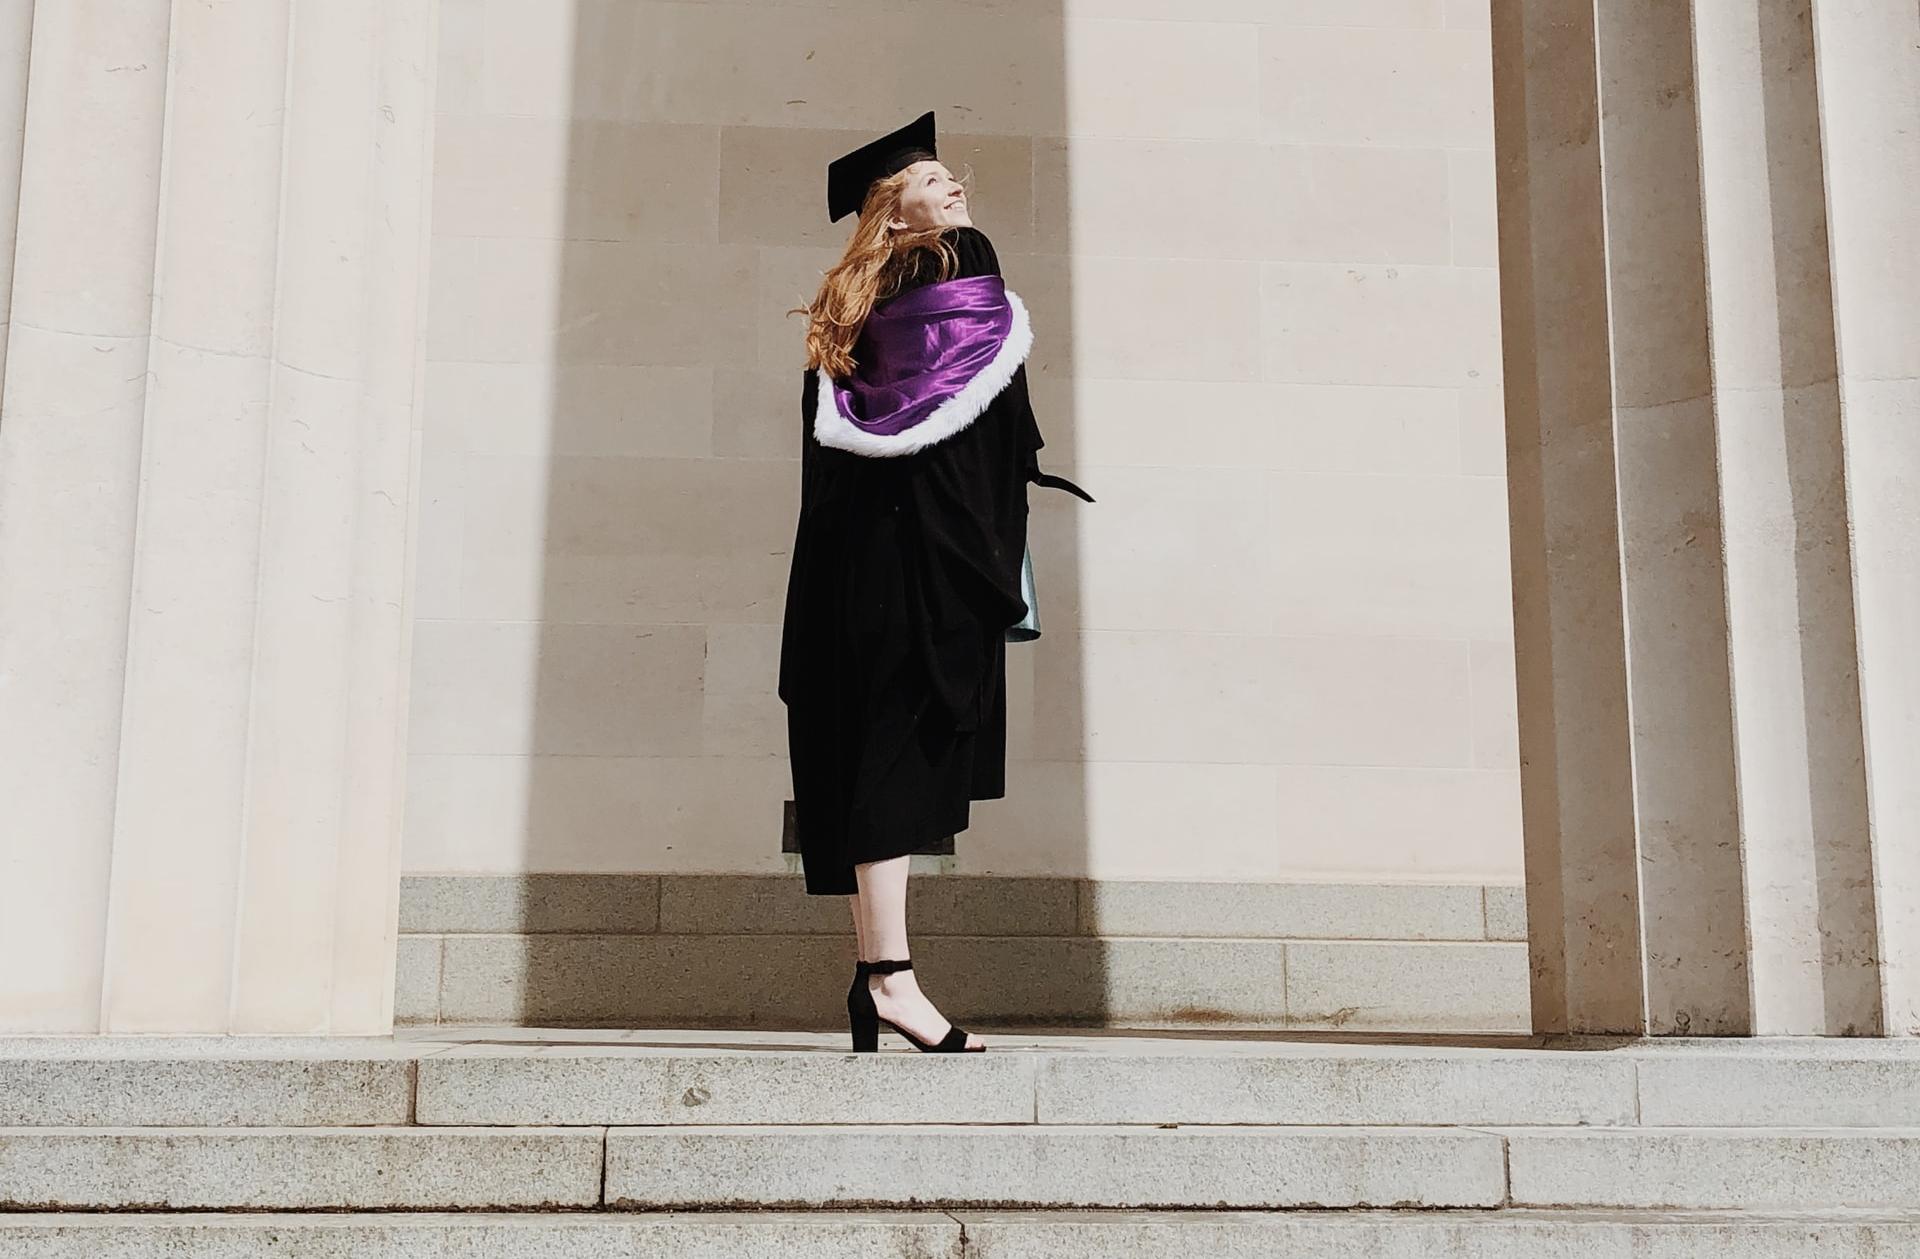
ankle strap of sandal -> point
(887, 965)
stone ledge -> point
(570, 1084)
(737, 950)
(1093, 1087)
(1046, 1165)
(500, 1076)
(240, 1168)
(582, 1085)
(955, 1166)
(141, 1090)
(800, 981)
(1508, 1234)
(958, 904)
(1774, 1090)
(1355, 1086)
(1072, 1234)
(1715, 1168)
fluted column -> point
(1868, 74)
(207, 451)
(1714, 548)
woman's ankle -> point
(892, 982)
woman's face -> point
(932, 198)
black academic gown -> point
(905, 575)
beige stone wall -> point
(1258, 242)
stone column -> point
(1712, 340)
(207, 450)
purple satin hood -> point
(930, 360)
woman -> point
(918, 442)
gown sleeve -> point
(963, 489)
(793, 620)
(963, 589)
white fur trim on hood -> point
(832, 428)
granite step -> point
(1257, 1166)
(797, 1166)
(247, 1169)
(1714, 1168)
(1509, 1234)
(711, 1078)
(206, 1081)
(901, 1166)
(1310, 1085)
(814, 1166)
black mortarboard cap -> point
(849, 177)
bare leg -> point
(859, 928)
(882, 904)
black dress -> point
(905, 576)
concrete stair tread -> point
(1517, 1233)
(642, 1120)
(464, 1131)
(1266, 1166)
(616, 1077)
(1098, 1216)
(806, 1166)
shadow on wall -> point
(1298, 569)
(696, 146)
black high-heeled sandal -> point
(865, 1018)
(861, 1016)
